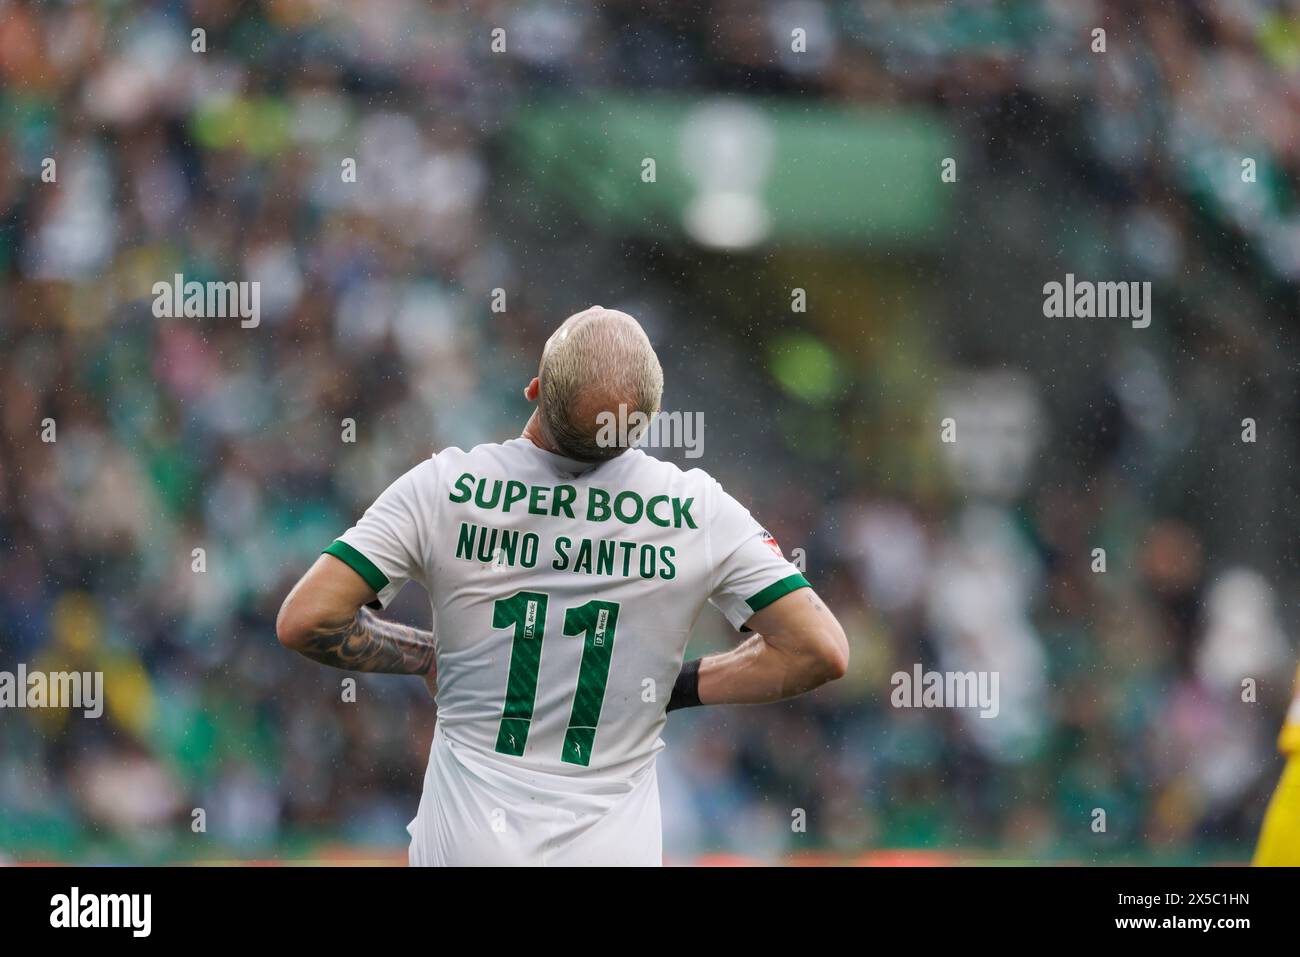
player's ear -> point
(531, 390)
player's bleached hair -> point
(596, 361)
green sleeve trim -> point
(360, 564)
(777, 590)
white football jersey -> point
(563, 594)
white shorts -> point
(478, 811)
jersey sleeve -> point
(750, 572)
(385, 546)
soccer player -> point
(1279, 838)
(565, 570)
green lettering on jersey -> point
(650, 511)
(515, 492)
(605, 556)
(666, 555)
(682, 511)
(509, 547)
(564, 496)
(628, 507)
(582, 563)
(465, 541)
(464, 488)
(525, 612)
(596, 622)
(483, 501)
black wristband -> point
(686, 691)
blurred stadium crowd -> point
(1120, 690)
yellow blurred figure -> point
(76, 625)
(1279, 838)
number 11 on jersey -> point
(595, 622)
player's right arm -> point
(798, 645)
(324, 618)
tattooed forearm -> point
(369, 643)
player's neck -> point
(533, 433)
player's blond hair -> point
(596, 361)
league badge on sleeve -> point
(770, 541)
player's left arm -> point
(797, 645)
(325, 619)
